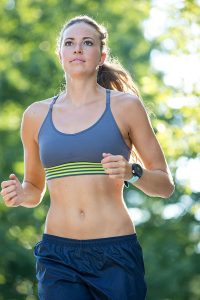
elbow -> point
(168, 188)
(169, 191)
(165, 192)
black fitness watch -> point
(137, 171)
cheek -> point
(94, 55)
(64, 52)
(65, 56)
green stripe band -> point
(74, 168)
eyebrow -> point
(84, 38)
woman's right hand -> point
(12, 191)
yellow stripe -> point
(74, 168)
(74, 164)
(74, 173)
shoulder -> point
(34, 115)
(126, 100)
(127, 104)
(37, 108)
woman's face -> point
(80, 51)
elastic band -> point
(89, 242)
(74, 168)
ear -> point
(103, 57)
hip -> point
(91, 263)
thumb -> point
(106, 154)
(13, 177)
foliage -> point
(30, 72)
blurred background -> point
(158, 42)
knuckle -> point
(6, 198)
(11, 202)
(13, 195)
(123, 163)
(121, 171)
(2, 184)
(13, 188)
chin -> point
(80, 73)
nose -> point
(78, 49)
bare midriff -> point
(87, 207)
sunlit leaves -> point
(168, 229)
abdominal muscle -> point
(87, 207)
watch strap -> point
(133, 179)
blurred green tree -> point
(30, 71)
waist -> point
(87, 206)
(87, 225)
(88, 215)
(110, 240)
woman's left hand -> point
(116, 166)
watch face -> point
(137, 170)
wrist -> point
(130, 173)
(136, 174)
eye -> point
(88, 43)
(68, 43)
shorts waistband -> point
(99, 241)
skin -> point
(89, 206)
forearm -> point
(32, 195)
(155, 183)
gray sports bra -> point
(64, 154)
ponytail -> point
(113, 76)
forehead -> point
(80, 30)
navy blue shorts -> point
(110, 268)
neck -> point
(80, 90)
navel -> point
(82, 213)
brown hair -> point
(111, 74)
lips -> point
(77, 59)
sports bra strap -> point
(53, 101)
(107, 97)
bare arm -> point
(32, 189)
(156, 179)
(34, 175)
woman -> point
(81, 141)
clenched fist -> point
(116, 166)
(12, 191)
